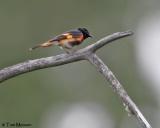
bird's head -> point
(85, 32)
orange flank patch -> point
(65, 41)
(69, 36)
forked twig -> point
(87, 53)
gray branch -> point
(87, 53)
(129, 105)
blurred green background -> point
(24, 23)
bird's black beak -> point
(90, 36)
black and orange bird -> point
(66, 40)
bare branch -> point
(36, 64)
(87, 53)
(129, 105)
(109, 39)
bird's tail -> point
(46, 44)
(37, 46)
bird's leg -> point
(68, 51)
(68, 48)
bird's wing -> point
(67, 35)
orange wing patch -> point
(68, 35)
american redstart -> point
(67, 39)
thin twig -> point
(87, 53)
